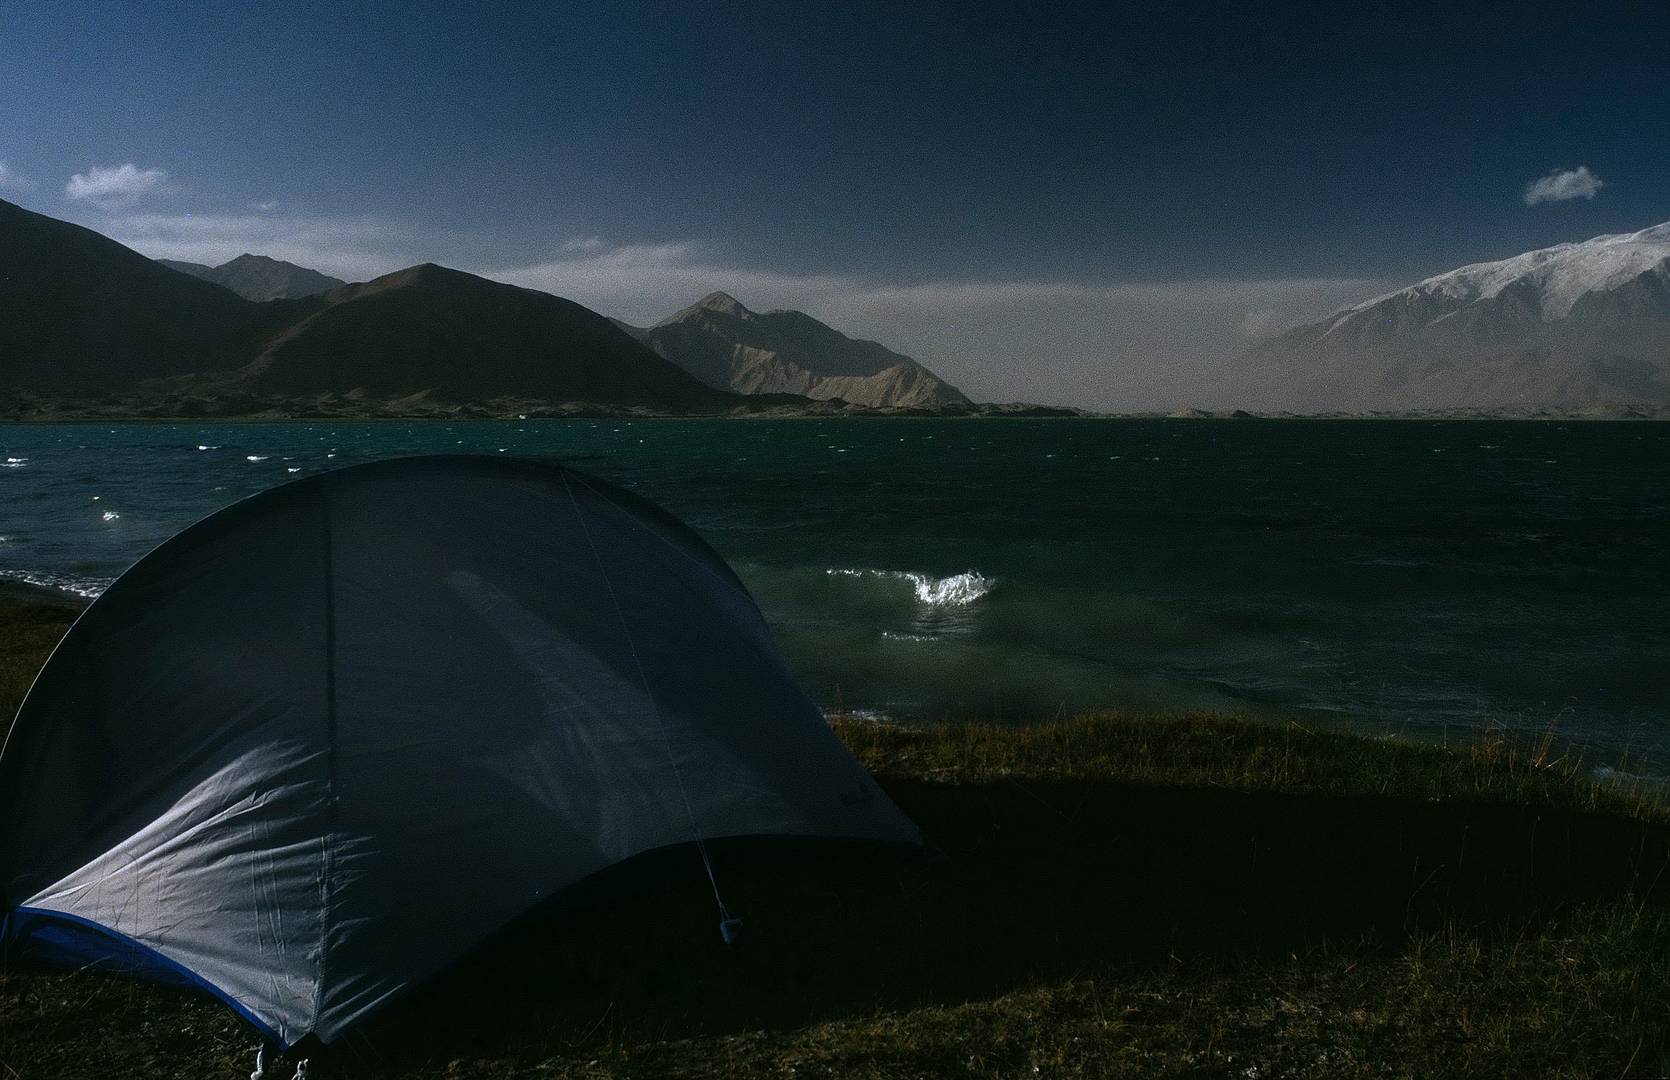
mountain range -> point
(90, 327)
(80, 312)
(728, 347)
(428, 332)
(84, 319)
(256, 277)
(1569, 326)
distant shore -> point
(131, 411)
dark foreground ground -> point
(1107, 896)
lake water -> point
(1412, 577)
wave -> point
(87, 588)
(956, 590)
(875, 717)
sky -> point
(1099, 205)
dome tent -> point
(316, 747)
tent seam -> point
(649, 692)
(327, 855)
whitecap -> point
(111, 515)
(206, 446)
(866, 716)
(88, 588)
(293, 469)
(953, 591)
(257, 457)
(16, 463)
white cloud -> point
(1132, 346)
(1563, 184)
(12, 180)
(112, 187)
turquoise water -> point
(1413, 577)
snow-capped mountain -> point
(1566, 326)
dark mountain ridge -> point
(455, 336)
(257, 277)
(78, 311)
(84, 318)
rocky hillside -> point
(1569, 326)
(729, 347)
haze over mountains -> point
(1569, 326)
(90, 327)
(256, 277)
(728, 347)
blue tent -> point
(318, 746)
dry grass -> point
(27, 634)
(1241, 755)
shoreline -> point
(1015, 411)
(1099, 896)
(27, 592)
(1322, 722)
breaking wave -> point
(954, 591)
(88, 588)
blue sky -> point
(1096, 205)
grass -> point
(1100, 896)
(1240, 755)
(28, 631)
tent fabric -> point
(317, 746)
